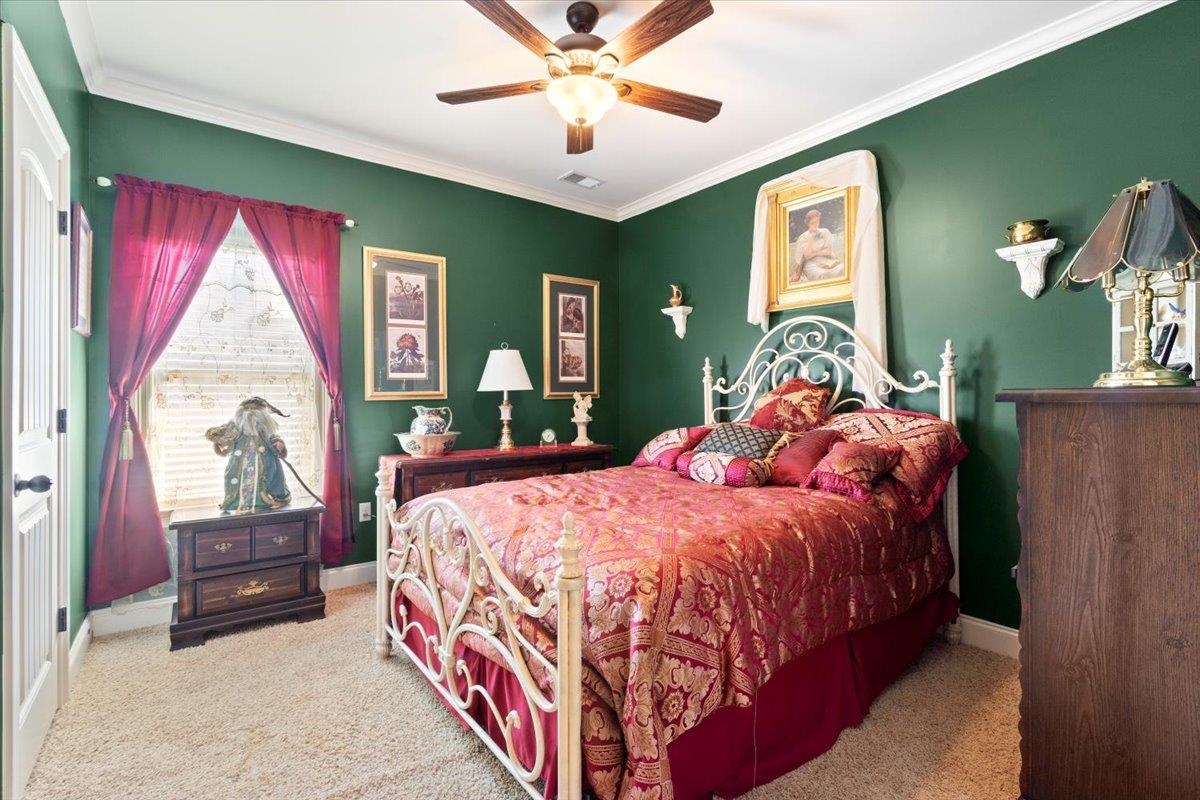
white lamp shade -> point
(504, 372)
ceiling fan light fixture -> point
(581, 99)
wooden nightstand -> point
(238, 568)
(414, 477)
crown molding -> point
(100, 81)
(1080, 25)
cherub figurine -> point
(583, 404)
(254, 478)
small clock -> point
(548, 438)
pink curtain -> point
(304, 249)
(164, 238)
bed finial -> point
(568, 551)
(708, 392)
(948, 356)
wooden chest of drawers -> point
(238, 568)
(413, 477)
(1110, 563)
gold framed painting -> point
(570, 336)
(810, 246)
(404, 325)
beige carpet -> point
(305, 712)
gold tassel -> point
(337, 434)
(126, 451)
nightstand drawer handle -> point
(279, 539)
(253, 588)
(223, 547)
(443, 486)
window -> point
(238, 339)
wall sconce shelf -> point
(1031, 259)
(679, 315)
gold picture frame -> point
(404, 298)
(805, 217)
(570, 336)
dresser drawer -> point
(438, 482)
(515, 473)
(583, 466)
(246, 589)
(221, 547)
(278, 540)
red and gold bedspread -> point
(696, 594)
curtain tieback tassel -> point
(126, 453)
(337, 434)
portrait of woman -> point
(810, 236)
(815, 252)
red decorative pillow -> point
(724, 469)
(851, 468)
(796, 461)
(793, 406)
(930, 450)
(663, 450)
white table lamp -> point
(505, 372)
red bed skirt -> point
(798, 715)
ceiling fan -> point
(583, 82)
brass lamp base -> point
(506, 437)
(1143, 372)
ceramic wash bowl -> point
(427, 445)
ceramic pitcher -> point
(431, 420)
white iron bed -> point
(818, 348)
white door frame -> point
(18, 75)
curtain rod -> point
(105, 182)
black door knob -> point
(38, 483)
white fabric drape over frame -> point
(856, 168)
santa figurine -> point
(254, 478)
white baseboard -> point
(349, 575)
(78, 649)
(148, 613)
(144, 614)
(989, 636)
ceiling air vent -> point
(582, 181)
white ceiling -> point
(360, 77)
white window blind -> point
(238, 339)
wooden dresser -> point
(238, 568)
(413, 477)
(1110, 593)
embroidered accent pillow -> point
(851, 469)
(737, 439)
(795, 461)
(665, 449)
(723, 469)
(794, 406)
(930, 450)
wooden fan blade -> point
(491, 92)
(508, 20)
(664, 22)
(579, 139)
(680, 104)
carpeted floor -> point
(305, 712)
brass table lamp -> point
(1151, 232)
(505, 372)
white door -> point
(36, 189)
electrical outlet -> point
(364, 512)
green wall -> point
(1054, 138)
(43, 34)
(496, 249)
